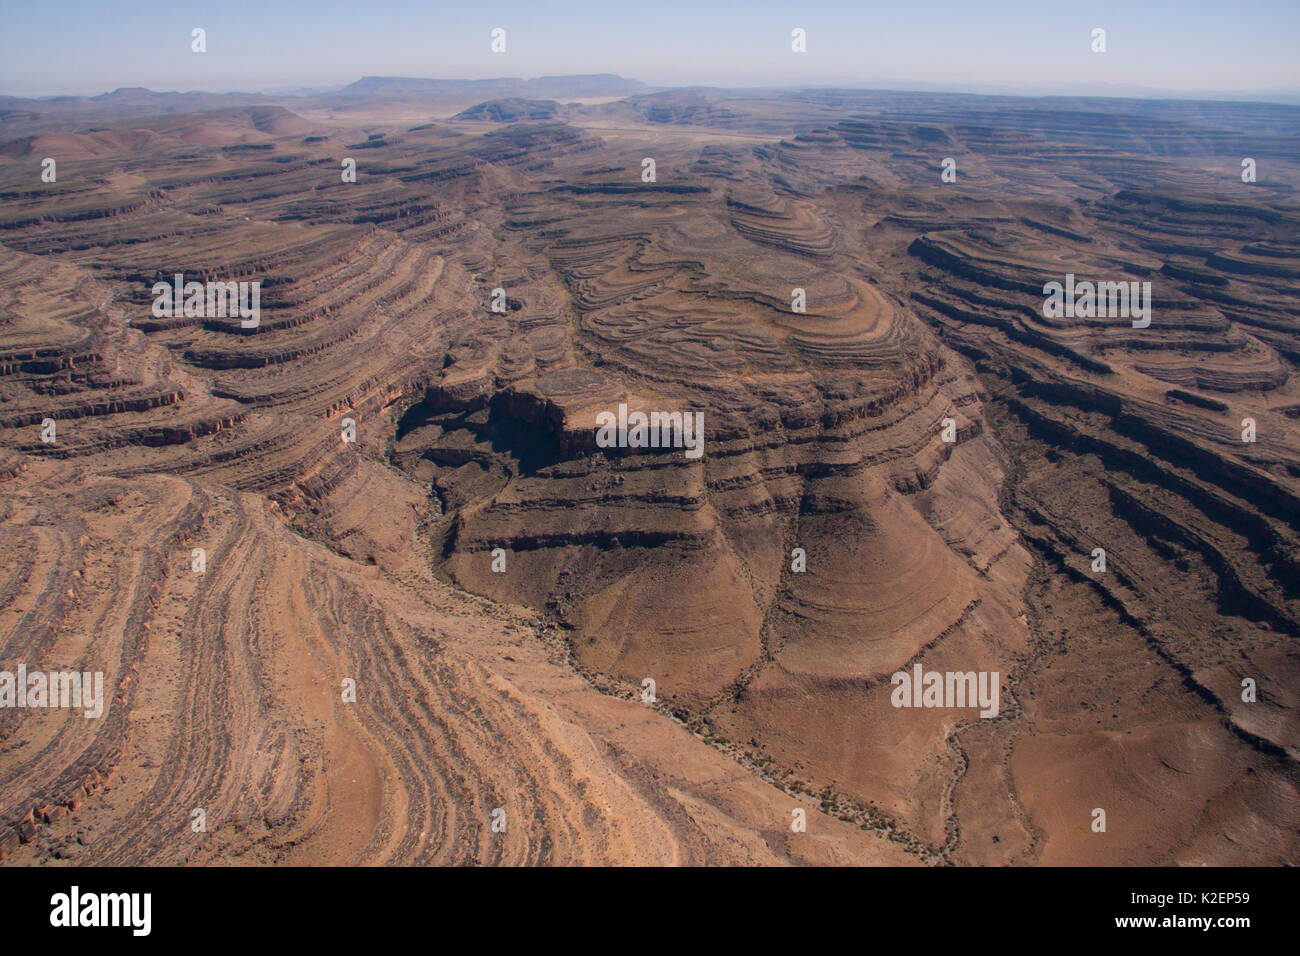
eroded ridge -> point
(362, 573)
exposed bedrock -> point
(906, 461)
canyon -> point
(519, 685)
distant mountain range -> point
(441, 96)
(1133, 123)
(543, 87)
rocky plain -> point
(366, 589)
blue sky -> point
(90, 46)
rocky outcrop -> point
(906, 462)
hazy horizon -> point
(1158, 49)
(1279, 96)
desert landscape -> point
(367, 586)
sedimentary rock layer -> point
(395, 480)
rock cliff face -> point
(906, 462)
